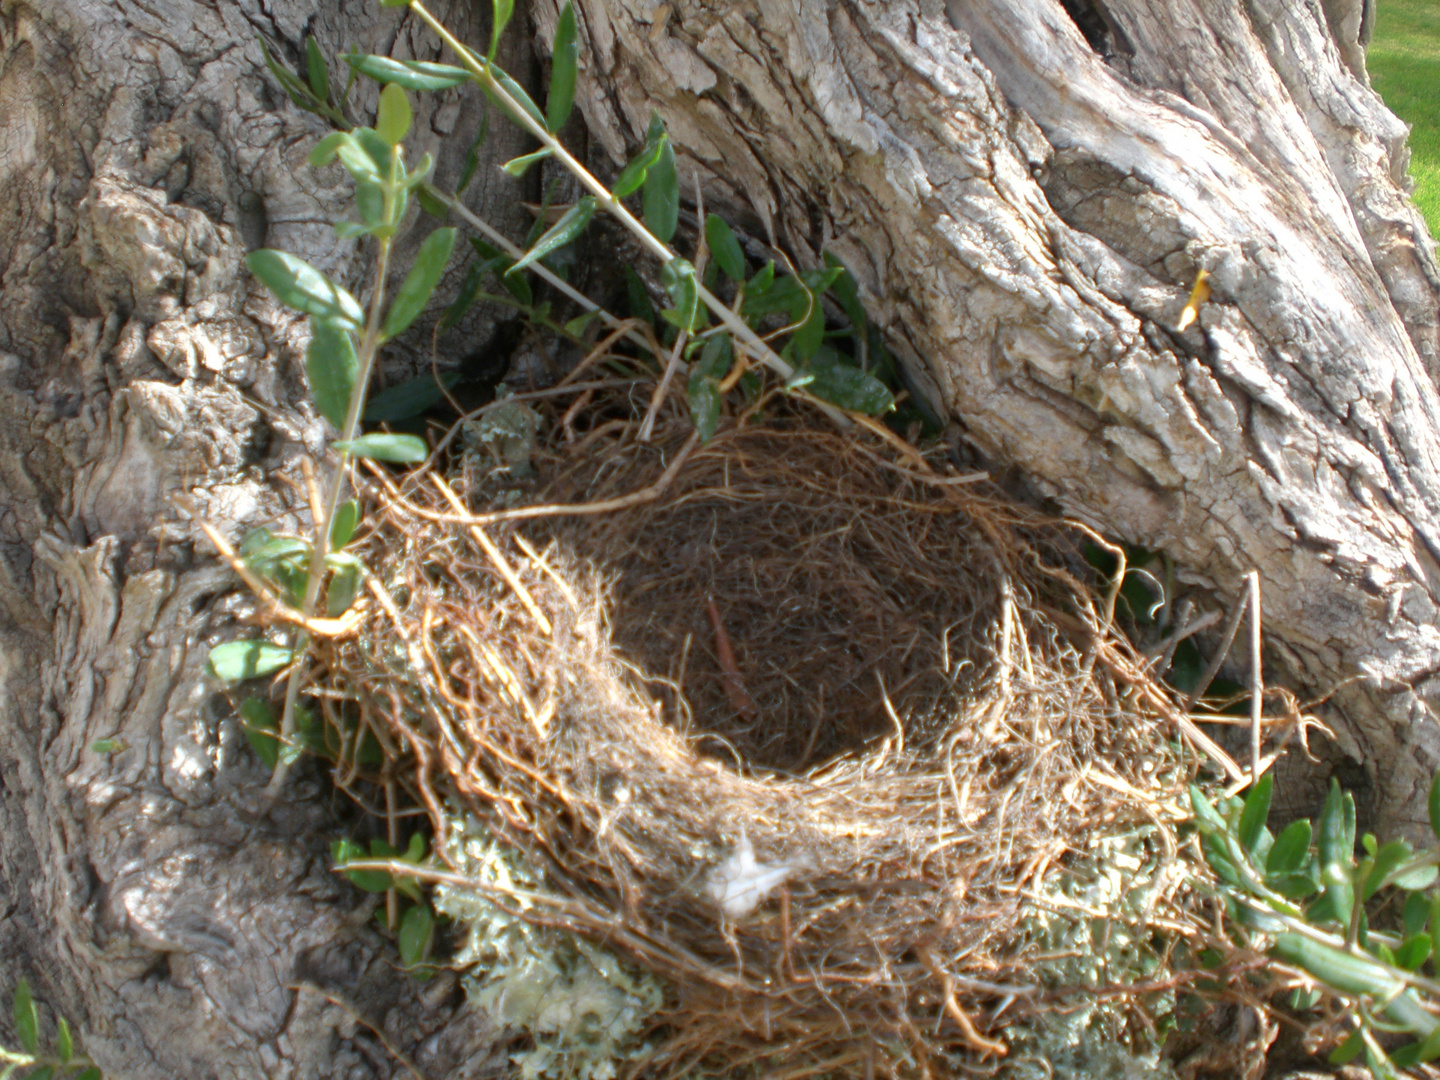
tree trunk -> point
(1026, 197)
(145, 383)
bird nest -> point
(793, 721)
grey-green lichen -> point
(1090, 928)
(584, 1011)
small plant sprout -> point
(62, 1062)
(1307, 894)
(345, 340)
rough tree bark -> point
(1026, 194)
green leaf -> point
(1421, 877)
(1416, 914)
(1348, 1050)
(639, 297)
(725, 249)
(1387, 859)
(344, 851)
(92, 1073)
(703, 396)
(577, 327)
(571, 224)
(661, 196)
(311, 734)
(409, 399)
(299, 285)
(415, 849)
(429, 265)
(342, 526)
(518, 167)
(1430, 1048)
(1413, 952)
(502, 11)
(1219, 859)
(472, 155)
(261, 729)
(518, 95)
(632, 177)
(500, 262)
(432, 205)
(236, 661)
(261, 547)
(297, 91)
(317, 70)
(45, 1072)
(1291, 849)
(370, 201)
(1334, 906)
(341, 592)
(847, 387)
(1207, 819)
(332, 365)
(717, 358)
(1379, 1065)
(808, 336)
(757, 289)
(398, 449)
(564, 58)
(27, 1022)
(1293, 885)
(414, 937)
(393, 120)
(380, 153)
(1435, 806)
(1256, 812)
(410, 74)
(1336, 968)
(64, 1041)
(416, 176)
(678, 277)
(848, 294)
(1334, 850)
(326, 149)
(465, 299)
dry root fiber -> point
(789, 719)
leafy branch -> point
(1308, 894)
(339, 372)
(651, 172)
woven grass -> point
(813, 650)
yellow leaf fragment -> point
(1198, 295)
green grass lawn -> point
(1404, 63)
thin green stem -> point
(1304, 929)
(480, 71)
(320, 550)
(480, 225)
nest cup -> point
(789, 719)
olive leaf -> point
(565, 54)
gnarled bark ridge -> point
(145, 382)
(1026, 208)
